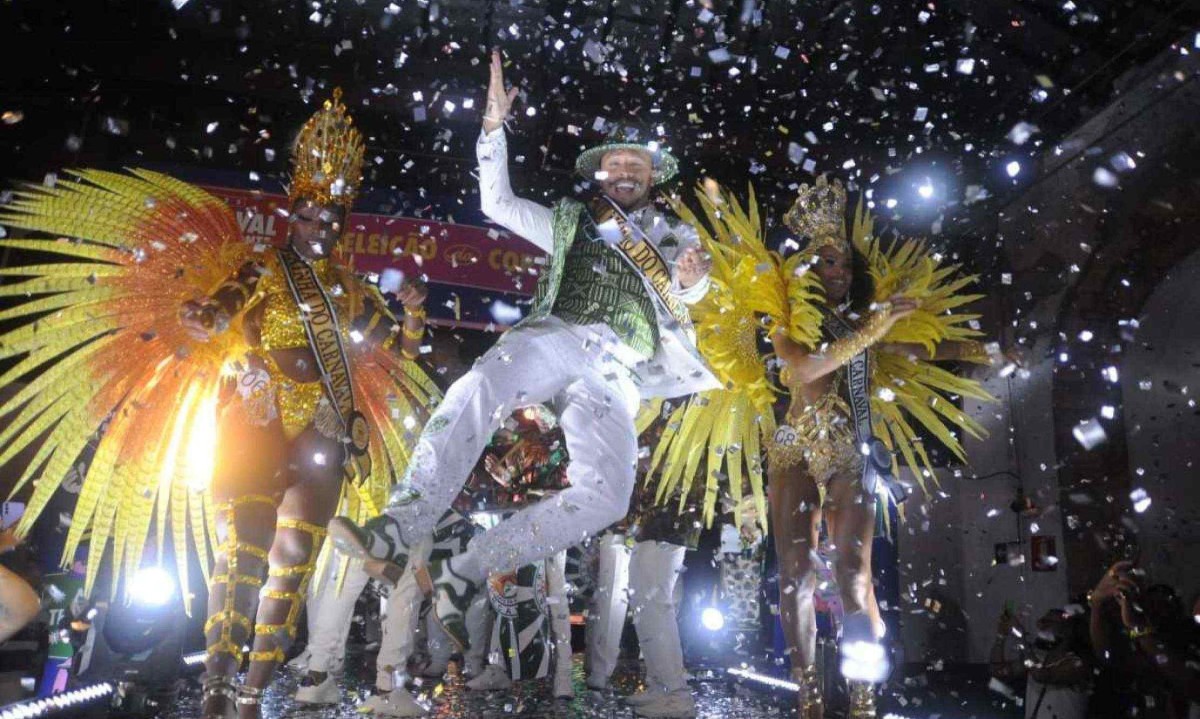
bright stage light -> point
(864, 651)
(712, 619)
(1013, 168)
(864, 661)
(151, 587)
(925, 190)
(773, 682)
(57, 703)
(202, 443)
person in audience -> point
(1055, 662)
(1146, 646)
(19, 603)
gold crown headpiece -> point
(819, 213)
(327, 158)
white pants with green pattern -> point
(596, 399)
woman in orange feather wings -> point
(247, 391)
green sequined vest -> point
(588, 282)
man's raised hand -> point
(499, 100)
(692, 266)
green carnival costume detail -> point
(588, 282)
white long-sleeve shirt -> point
(676, 369)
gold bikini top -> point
(282, 327)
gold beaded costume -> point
(115, 368)
(818, 435)
(300, 404)
(757, 289)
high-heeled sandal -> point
(862, 700)
(812, 703)
(220, 698)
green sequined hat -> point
(626, 137)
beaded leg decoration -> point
(286, 585)
(812, 704)
(250, 698)
(236, 580)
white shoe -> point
(472, 668)
(645, 696)
(326, 692)
(493, 678)
(300, 661)
(396, 703)
(678, 704)
(564, 688)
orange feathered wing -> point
(110, 366)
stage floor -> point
(921, 695)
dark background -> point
(749, 90)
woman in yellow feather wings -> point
(855, 326)
(237, 386)
(718, 436)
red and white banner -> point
(465, 255)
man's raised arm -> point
(528, 219)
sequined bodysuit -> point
(281, 329)
(818, 435)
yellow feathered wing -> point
(907, 388)
(721, 432)
(111, 366)
(396, 397)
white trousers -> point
(401, 612)
(560, 612)
(653, 575)
(438, 645)
(479, 627)
(401, 617)
(480, 617)
(597, 400)
(329, 615)
(609, 605)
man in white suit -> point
(609, 326)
